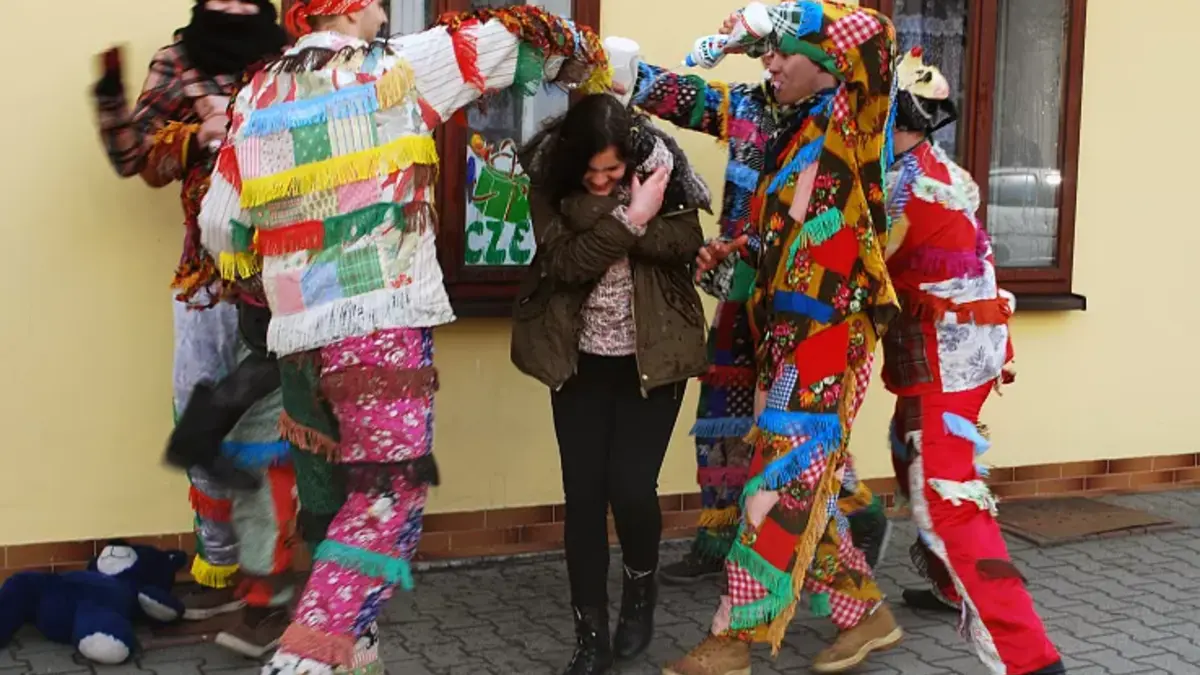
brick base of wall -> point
(534, 529)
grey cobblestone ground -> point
(1128, 605)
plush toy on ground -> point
(95, 610)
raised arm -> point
(580, 255)
(670, 239)
(471, 54)
(689, 101)
(129, 137)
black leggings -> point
(611, 441)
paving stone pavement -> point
(1115, 606)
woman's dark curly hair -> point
(557, 158)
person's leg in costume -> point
(384, 409)
(309, 424)
(791, 523)
(206, 350)
(955, 512)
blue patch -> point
(803, 158)
(811, 17)
(742, 176)
(319, 285)
(257, 455)
(799, 303)
(965, 429)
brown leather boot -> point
(876, 632)
(715, 656)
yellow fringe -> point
(392, 89)
(331, 173)
(241, 265)
(726, 102)
(599, 81)
(806, 549)
(720, 517)
(212, 576)
(168, 134)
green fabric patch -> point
(311, 143)
(359, 271)
(347, 228)
(742, 286)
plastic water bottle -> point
(623, 55)
(754, 23)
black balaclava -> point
(226, 44)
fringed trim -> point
(257, 455)
(394, 87)
(717, 518)
(357, 315)
(240, 265)
(820, 229)
(722, 427)
(958, 493)
(819, 605)
(824, 428)
(180, 134)
(194, 279)
(350, 102)
(777, 582)
(714, 543)
(531, 69)
(390, 384)
(788, 468)
(466, 54)
(313, 644)
(317, 235)
(729, 376)
(799, 162)
(209, 508)
(806, 549)
(368, 563)
(306, 438)
(724, 110)
(212, 576)
(943, 262)
(994, 312)
(733, 477)
(398, 155)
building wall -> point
(88, 325)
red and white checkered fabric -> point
(743, 589)
(841, 106)
(847, 612)
(862, 380)
(853, 30)
(811, 476)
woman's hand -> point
(727, 29)
(647, 198)
(715, 252)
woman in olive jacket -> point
(609, 319)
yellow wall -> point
(88, 324)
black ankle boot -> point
(635, 626)
(593, 655)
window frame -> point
(979, 89)
(476, 291)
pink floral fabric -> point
(376, 428)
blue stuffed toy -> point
(95, 610)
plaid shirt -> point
(172, 86)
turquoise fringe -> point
(368, 563)
(349, 102)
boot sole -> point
(688, 581)
(237, 645)
(741, 671)
(877, 645)
(212, 612)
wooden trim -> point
(531, 529)
(476, 291)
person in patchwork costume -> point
(327, 184)
(743, 116)
(943, 356)
(165, 138)
(822, 299)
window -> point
(485, 236)
(1016, 67)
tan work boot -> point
(715, 656)
(876, 632)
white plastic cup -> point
(624, 55)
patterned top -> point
(330, 171)
(608, 328)
(953, 332)
(155, 142)
(168, 95)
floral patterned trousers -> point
(955, 514)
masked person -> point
(743, 116)
(167, 137)
(944, 354)
(822, 299)
(328, 178)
